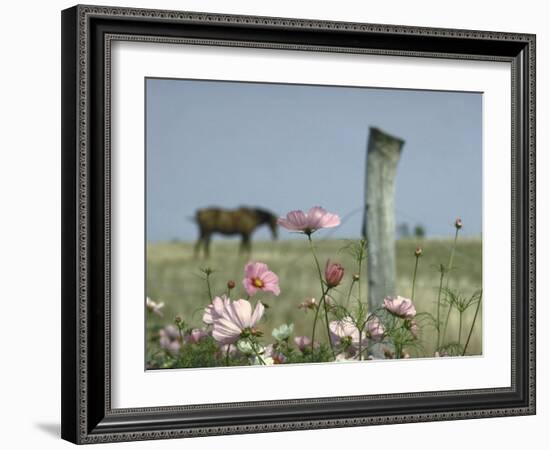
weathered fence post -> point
(383, 154)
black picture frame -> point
(87, 416)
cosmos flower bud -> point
(230, 284)
(356, 277)
(334, 273)
(178, 319)
(418, 252)
(458, 224)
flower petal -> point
(243, 313)
(255, 269)
(314, 217)
(225, 331)
(295, 221)
(257, 314)
(271, 282)
(329, 221)
(249, 286)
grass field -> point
(174, 277)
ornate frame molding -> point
(85, 64)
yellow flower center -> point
(258, 283)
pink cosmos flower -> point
(231, 318)
(344, 332)
(334, 273)
(315, 219)
(196, 335)
(400, 307)
(257, 277)
(374, 328)
(169, 339)
(304, 342)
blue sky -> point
(284, 147)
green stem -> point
(451, 257)
(397, 351)
(227, 355)
(359, 268)
(447, 320)
(313, 330)
(460, 327)
(360, 344)
(439, 308)
(316, 260)
(328, 328)
(472, 327)
(414, 277)
(208, 287)
(315, 323)
(323, 295)
(449, 268)
(349, 292)
(360, 262)
(262, 362)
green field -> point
(174, 277)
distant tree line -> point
(404, 231)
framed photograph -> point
(279, 224)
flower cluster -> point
(342, 327)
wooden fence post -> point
(383, 154)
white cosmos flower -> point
(154, 307)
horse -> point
(242, 221)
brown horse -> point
(242, 221)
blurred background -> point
(284, 147)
